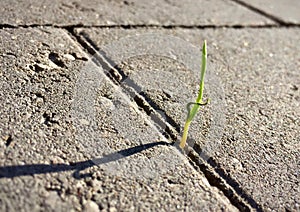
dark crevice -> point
(54, 57)
(2, 26)
(49, 119)
(87, 38)
(263, 13)
(279, 23)
(116, 74)
(86, 46)
(218, 175)
(215, 180)
(215, 175)
(8, 140)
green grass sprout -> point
(196, 105)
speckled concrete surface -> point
(73, 137)
(44, 166)
(283, 10)
(259, 70)
(119, 12)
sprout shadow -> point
(32, 169)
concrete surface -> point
(75, 137)
(39, 149)
(106, 13)
(286, 11)
(260, 72)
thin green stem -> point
(185, 134)
(203, 70)
(195, 108)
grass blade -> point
(192, 112)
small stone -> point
(40, 67)
(69, 57)
(237, 164)
(112, 209)
(39, 101)
(84, 122)
(56, 160)
(53, 65)
(91, 206)
(168, 93)
(52, 199)
(235, 160)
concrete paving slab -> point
(107, 13)
(259, 69)
(285, 11)
(46, 160)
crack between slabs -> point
(278, 24)
(256, 10)
(114, 73)
(217, 177)
(213, 172)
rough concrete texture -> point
(284, 10)
(259, 69)
(75, 139)
(46, 162)
(103, 12)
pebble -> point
(91, 206)
(69, 57)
